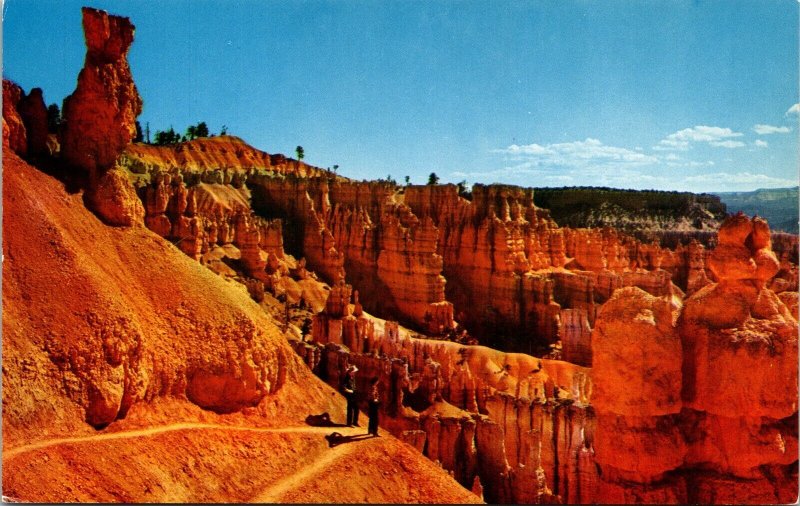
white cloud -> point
(530, 149)
(727, 144)
(770, 129)
(577, 154)
(715, 136)
(793, 110)
(761, 144)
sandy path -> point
(152, 431)
(302, 477)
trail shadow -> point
(323, 420)
(336, 439)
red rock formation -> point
(704, 411)
(14, 134)
(637, 392)
(207, 215)
(478, 412)
(115, 200)
(739, 368)
(362, 232)
(100, 114)
(34, 115)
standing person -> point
(374, 404)
(349, 390)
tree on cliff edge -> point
(53, 118)
(433, 179)
(300, 152)
(201, 130)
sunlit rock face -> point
(707, 393)
(100, 114)
(14, 135)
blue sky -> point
(673, 95)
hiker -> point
(374, 404)
(349, 391)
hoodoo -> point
(100, 116)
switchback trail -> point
(152, 431)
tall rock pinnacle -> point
(101, 113)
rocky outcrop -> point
(702, 397)
(14, 134)
(518, 424)
(100, 115)
(740, 371)
(637, 396)
(115, 201)
(204, 216)
(34, 115)
(220, 159)
(363, 233)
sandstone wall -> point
(97, 319)
(519, 425)
(699, 405)
(361, 232)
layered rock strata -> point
(699, 405)
(362, 231)
(535, 281)
(205, 216)
(519, 425)
(100, 115)
(535, 284)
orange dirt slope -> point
(133, 373)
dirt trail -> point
(152, 431)
(302, 477)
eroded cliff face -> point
(533, 281)
(363, 233)
(519, 426)
(428, 257)
(701, 407)
(100, 115)
(92, 327)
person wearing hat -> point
(348, 388)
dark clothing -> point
(349, 391)
(352, 409)
(374, 404)
(373, 418)
(348, 383)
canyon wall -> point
(362, 232)
(428, 257)
(534, 282)
(698, 404)
(519, 426)
(688, 400)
